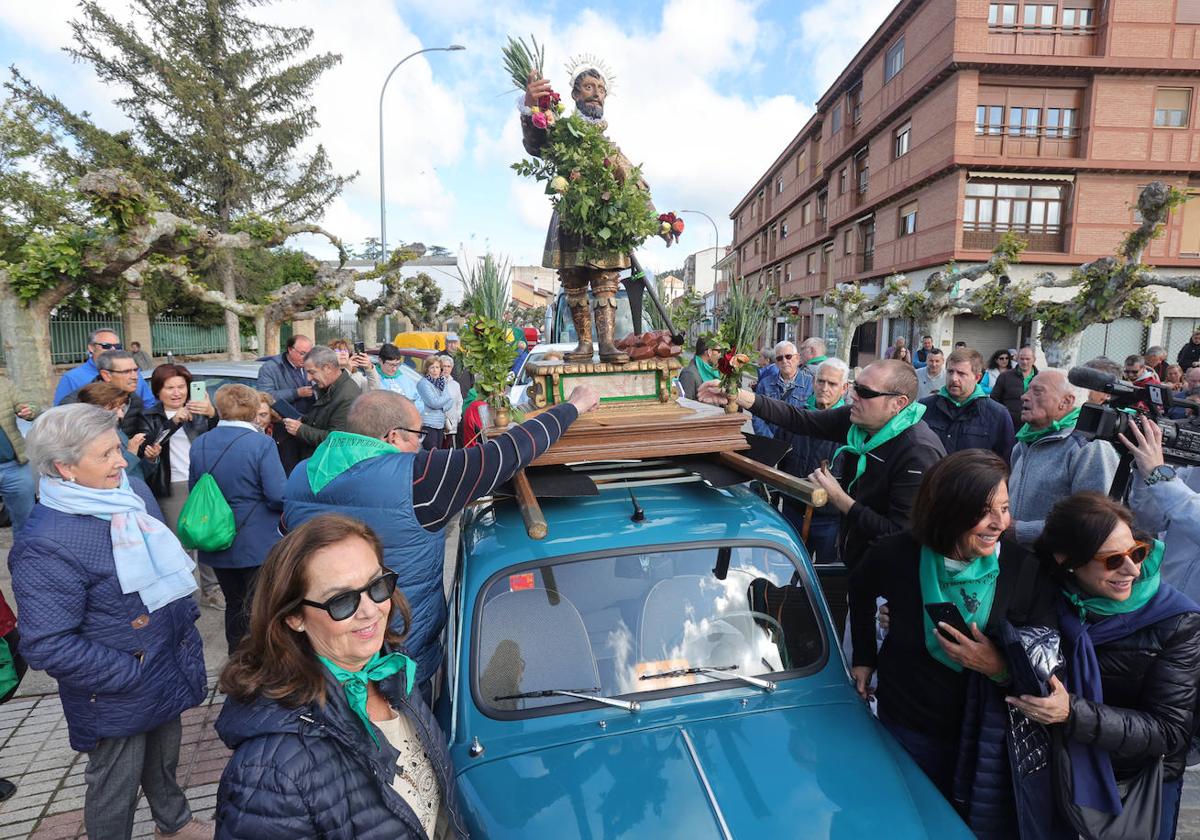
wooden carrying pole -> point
(531, 511)
(798, 488)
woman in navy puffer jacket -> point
(103, 589)
(329, 738)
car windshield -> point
(624, 320)
(615, 625)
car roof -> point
(248, 369)
(494, 535)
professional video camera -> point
(1181, 438)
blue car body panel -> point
(807, 760)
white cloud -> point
(43, 25)
(834, 30)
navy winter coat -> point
(121, 669)
(980, 424)
(251, 479)
(313, 771)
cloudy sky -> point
(707, 93)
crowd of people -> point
(341, 475)
(967, 515)
(974, 517)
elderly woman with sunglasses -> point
(1131, 644)
(329, 737)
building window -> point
(806, 212)
(810, 263)
(779, 186)
(868, 246)
(848, 241)
(989, 119)
(1062, 122)
(854, 104)
(800, 159)
(783, 230)
(835, 119)
(1034, 210)
(1172, 107)
(756, 246)
(1077, 18)
(863, 169)
(1002, 14)
(894, 61)
(822, 201)
(908, 219)
(1039, 16)
(900, 145)
(842, 181)
(1023, 121)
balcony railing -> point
(1019, 39)
(984, 236)
(865, 261)
(1025, 141)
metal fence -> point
(180, 336)
(333, 326)
(1123, 337)
(69, 336)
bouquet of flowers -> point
(600, 200)
(742, 324)
(670, 226)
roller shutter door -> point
(985, 336)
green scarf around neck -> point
(811, 403)
(341, 451)
(1027, 434)
(816, 360)
(1033, 371)
(972, 590)
(974, 395)
(707, 371)
(859, 441)
(1143, 589)
(380, 667)
(383, 375)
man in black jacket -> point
(1189, 354)
(874, 480)
(1012, 384)
(962, 416)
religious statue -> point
(602, 206)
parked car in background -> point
(518, 392)
(661, 666)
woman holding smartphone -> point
(183, 412)
(954, 566)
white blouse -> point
(415, 780)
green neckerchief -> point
(974, 395)
(379, 369)
(1033, 371)
(1143, 589)
(811, 402)
(1027, 435)
(972, 590)
(816, 360)
(380, 667)
(707, 371)
(341, 451)
(859, 441)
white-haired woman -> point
(455, 410)
(103, 589)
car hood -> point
(826, 771)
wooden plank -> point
(802, 489)
(531, 511)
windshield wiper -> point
(719, 672)
(627, 705)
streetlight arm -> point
(716, 235)
(382, 189)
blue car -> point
(657, 668)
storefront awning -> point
(1023, 176)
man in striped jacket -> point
(377, 472)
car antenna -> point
(639, 515)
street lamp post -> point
(716, 236)
(382, 90)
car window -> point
(610, 625)
(213, 382)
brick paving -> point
(35, 755)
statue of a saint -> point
(564, 251)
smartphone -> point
(944, 611)
(164, 434)
(198, 391)
(360, 347)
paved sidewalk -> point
(35, 755)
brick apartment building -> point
(957, 121)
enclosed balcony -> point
(1027, 131)
(1041, 29)
(1032, 210)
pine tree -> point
(222, 103)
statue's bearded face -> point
(589, 93)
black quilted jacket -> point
(1150, 688)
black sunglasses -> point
(870, 393)
(345, 604)
(789, 356)
(109, 345)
